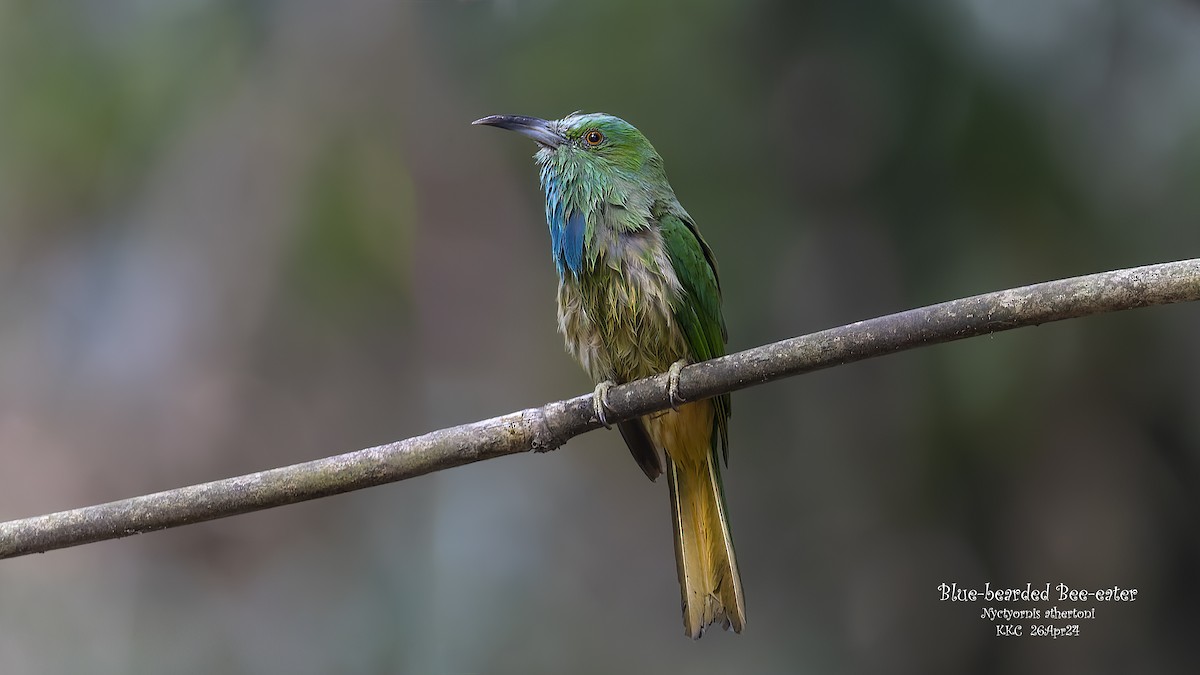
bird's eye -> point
(593, 138)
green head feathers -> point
(597, 171)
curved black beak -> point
(540, 130)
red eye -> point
(593, 138)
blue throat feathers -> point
(567, 227)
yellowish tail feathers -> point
(708, 574)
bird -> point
(638, 295)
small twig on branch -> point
(551, 425)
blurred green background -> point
(235, 235)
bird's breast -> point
(617, 315)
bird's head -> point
(586, 146)
(598, 173)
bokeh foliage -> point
(240, 234)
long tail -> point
(708, 572)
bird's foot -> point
(600, 402)
(673, 384)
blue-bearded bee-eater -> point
(638, 295)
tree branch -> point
(548, 427)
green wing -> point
(699, 310)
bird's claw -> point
(673, 384)
(600, 402)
